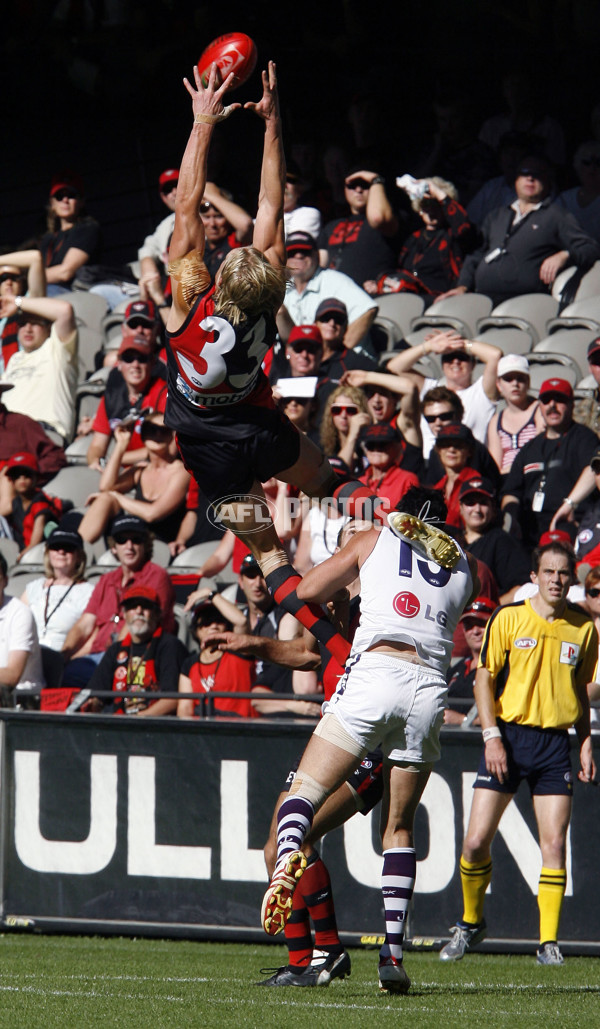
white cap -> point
(299, 386)
(513, 363)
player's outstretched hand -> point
(208, 103)
(268, 105)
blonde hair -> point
(248, 286)
(330, 440)
(447, 187)
(78, 571)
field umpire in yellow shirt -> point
(536, 659)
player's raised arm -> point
(268, 227)
(187, 240)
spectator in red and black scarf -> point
(431, 259)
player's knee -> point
(475, 848)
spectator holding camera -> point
(431, 259)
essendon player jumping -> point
(231, 435)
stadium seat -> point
(89, 310)
(508, 338)
(582, 314)
(530, 311)
(572, 343)
(544, 366)
(588, 287)
(461, 313)
(75, 482)
(385, 335)
(10, 550)
(33, 556)
(401, 308)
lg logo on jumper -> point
(406, 605)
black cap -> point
(455, 432)
(477, 484)
(250, 564)
(383, 432)
(61, 537)
(300, 241)
(331, 306)
(129, 523)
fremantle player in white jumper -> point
(393, 694)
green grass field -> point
(60, 981)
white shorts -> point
(387, 702)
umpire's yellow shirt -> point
(538, 665)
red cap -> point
(481, 608)
(66, 180)
(136, 343)
(141, 593)
(170, 175)
(555, 536)
(24, 460)
(306, 334)
(557, 386)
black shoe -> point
(288, 976)
(330, 966)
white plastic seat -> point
(581, 314)
(530, 312)
(544, 366)
(401, 308)
(508, 338)
(588, 287)
(10, 550)
(194, 557)
(571, 343)
(75, 482)
(89, 310)
(461, 313)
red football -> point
(235, 52)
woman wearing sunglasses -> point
(345, 413)
(72, 239)
(521, 419)
(59, 598)
(159, 486)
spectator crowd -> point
(381, 359)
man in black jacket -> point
(526, 244)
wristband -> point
(378, 181)
(493, 733)
(469, 346)
(18, 302)
(567, 500)
(212, 119)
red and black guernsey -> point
(214, 370)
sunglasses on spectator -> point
(68, 548)
(377, 446)
(309, 348)
(128, 537)
(474, 623)
(16, 473)
(340, 408)
(134, 355)
(66, 194)
(475, 498)
(297, 400)
(373, 391)
(515, 377)
(445, 416)
(554, 398)
(589, 162)
(457, 355)
(358, 184)
(299, 253)
(593, 592)
(337, 318)
(595, 360)
(159, 433)
(146, 605)
(9, 277)
(530, 173)
(169, 187)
